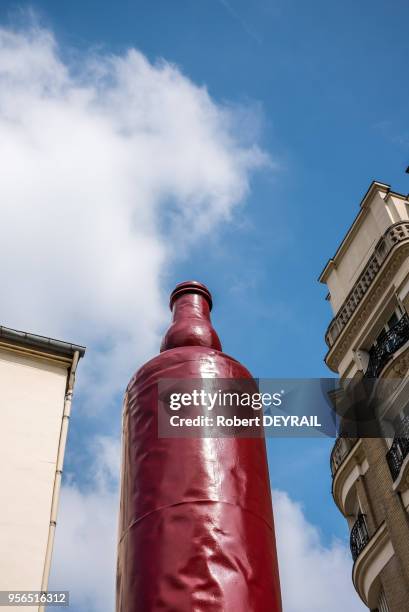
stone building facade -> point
(368, 337)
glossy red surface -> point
(196, 529)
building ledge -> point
(368, 565)
(352, 467)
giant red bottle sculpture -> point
(196, 531)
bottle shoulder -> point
(190, 362)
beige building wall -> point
(368, 282)
(379, 209)
(34, 412)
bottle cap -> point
(190, 287)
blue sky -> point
(320, 88)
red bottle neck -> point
(191, 303)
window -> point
(393, 319)
(391, 337)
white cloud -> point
(111, 167)
(84, 558)
(314, 577)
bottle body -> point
(196, 529)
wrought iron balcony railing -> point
(339, 452)
(400, 449)
(396, 455)
(393, 340)
(359, 537)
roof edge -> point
(372, 189)
(370, 192)
(51, 345)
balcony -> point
(359, 537)
(382, 352)
(372, 555)
(399, 450)
(396, 455)
(348, 463)
(340, 450)
(338, 454)
(392, 238)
